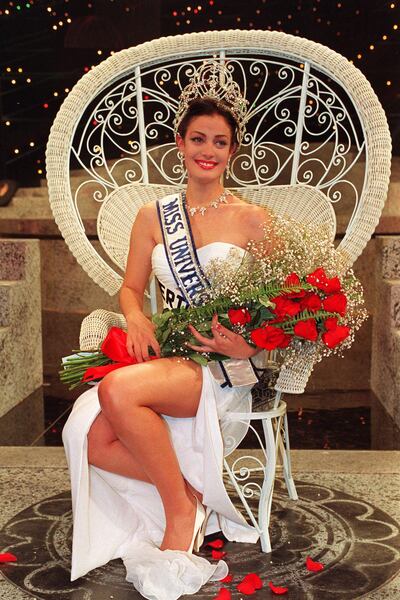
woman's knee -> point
(108, 393)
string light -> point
(210, 12)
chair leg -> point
(265, 504)
(284, 449)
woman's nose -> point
(208, 150)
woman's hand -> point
(141, 337)
(224, 341)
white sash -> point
(180, 249)
(190, 279)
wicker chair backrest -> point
(303, 203)
(313, 119)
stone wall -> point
(20, 322)
(68, 294)
(385, 368)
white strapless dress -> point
(118, 517)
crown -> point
(214, 80)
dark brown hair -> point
(208, 106)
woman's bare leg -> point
(132, 400)
(107, 452)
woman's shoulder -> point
(253, 213)
(150, 208)
(147, 211)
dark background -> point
(45, 47)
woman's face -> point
(206, 147)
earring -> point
(228, 168)
(181, 157)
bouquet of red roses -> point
(278, 298)
(311, 308)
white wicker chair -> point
(317, 138)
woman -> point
(150, 432)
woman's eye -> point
(197, 139)
(221, 143)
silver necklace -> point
(214, 204)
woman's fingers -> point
(222, 331)
(156, 347)
(138, 351)
(201, 348)
(129, 347)
(201, 338)
(142, 347)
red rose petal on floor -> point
(217, 554)
(7, 557)
(254, 579)
(278, 589)
(227, 579)
(313, 565)
(216, 543)
(223, 594)
(246, 587)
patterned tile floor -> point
(347, 516)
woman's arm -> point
(140, 328)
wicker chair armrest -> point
(293, 376)
(95, 327)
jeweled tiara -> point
(214, 80)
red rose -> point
(239, 316)
(114, 346)
(311, 301)
(284, 306)
(331, 323)
(319, 279)
(270, 337)
(336, 303)
(333, 285)
(306, 329)
(293, 280)
(334, 333)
